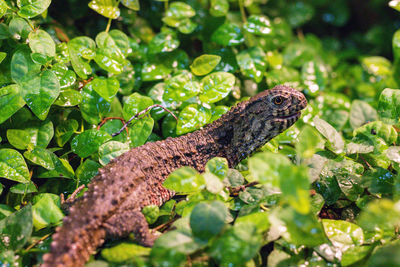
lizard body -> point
(111, 207)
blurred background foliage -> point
(323, 193)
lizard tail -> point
(82, 231)
(76, 254)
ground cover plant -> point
(324, 193)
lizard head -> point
(281, 106)
(264, 116)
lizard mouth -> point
(292, 116)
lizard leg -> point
(122, 224)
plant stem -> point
(30, 24)
(108, 24)
(242, 11)
(166, 5)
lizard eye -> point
(278, 100)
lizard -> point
(111, 207)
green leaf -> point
(115, 39)
(217, 112)
(35, 134)
(132, 4)
(386, 255)
(304, 229)
(315, 76)
(362, 113)
(378, 66)
(3, 55)
(258, 25)
(13, 166)
(217, 166)
(265, 168)
(16, 229)
(113, 126)
(355, 254)
(86, 171)
(93, 107)
(165, 41)
(66, 77)
(298, 53)
(395, 4)
(219, 8)
(135, 103)
(228, 34)
(88, 142)
(40, 93)
(9, 258)
(187, 26)
(10, 101)
(216, 86)
(155, 69)
(184, 180)
(393, 153)
(342, 233)
(40, 156)
(378, 181)
(380, 215)
(107, 8)
(389, 106)
(174, 242)
(260, 219)
(237, 245)
(23, 69)
(309, 142)
(252, 63)
(5, 211)
(23, 189)
(62, 168)
(105, 87)
(208, 219)
(3, 8)
(110, 60)
(177, 13)
(124, 252)
(375, 130)
(39, 90)
(42, 43)
(295, 184)
(181, 87)
(334, 138)
(298, 13)
(213, 183)
(32, 8)
(110, 150)
(287, 76)
(235, 178)
(396, 47)
(140, 131)
(46, 210)
(191, 118)
(79, 49)
(65, 130)
(40, 59)
(204, 64)
(19, 28)
(151, 213)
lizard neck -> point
(240, 132)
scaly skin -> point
(111, 207)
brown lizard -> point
(111, 207)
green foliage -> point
(325, 192)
